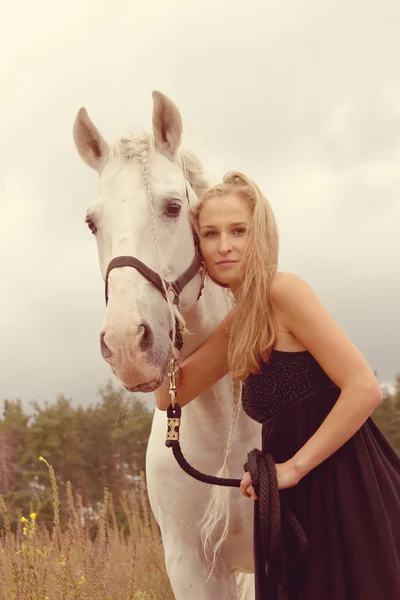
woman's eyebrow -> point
(231, 224)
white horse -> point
(142, 210)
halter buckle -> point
(172, 372)
(174, 410)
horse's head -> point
(141, 211)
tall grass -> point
(67, 564)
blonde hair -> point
(252, 332)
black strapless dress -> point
(349, 506)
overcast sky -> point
(304, 96)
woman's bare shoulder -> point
(283, 283)
(306, 318)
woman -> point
(313, 392)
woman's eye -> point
(91, 225)
(173, 209)
(239, 231)
(209, 234)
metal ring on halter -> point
(171, 289)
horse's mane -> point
(133, 144)
(194, 172)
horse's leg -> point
(187, 570)
(189, 579)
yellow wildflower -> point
(23, 520)
(33, 516)
(24, 531)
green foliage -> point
(102, 445)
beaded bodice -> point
(285, 379)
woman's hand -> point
(246, 487)
(287, 475)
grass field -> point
(66, 564)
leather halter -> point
(176, 287)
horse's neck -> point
(204, 316)
(214, 404)
(209, 417)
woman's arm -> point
(307, 319)
(200, 370)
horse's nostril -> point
(146, 341)
(105, 351)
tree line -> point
(103, 445)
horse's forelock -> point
(131, 145)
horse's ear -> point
(89, 142)
(167, 124)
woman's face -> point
(223, 225)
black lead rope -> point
(174, 416)
(273, 516)
(264, 480)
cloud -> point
(304, 97)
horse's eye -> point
(91, 225)
(173, 209)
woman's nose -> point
(225, 244)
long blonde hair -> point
(252, 333)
